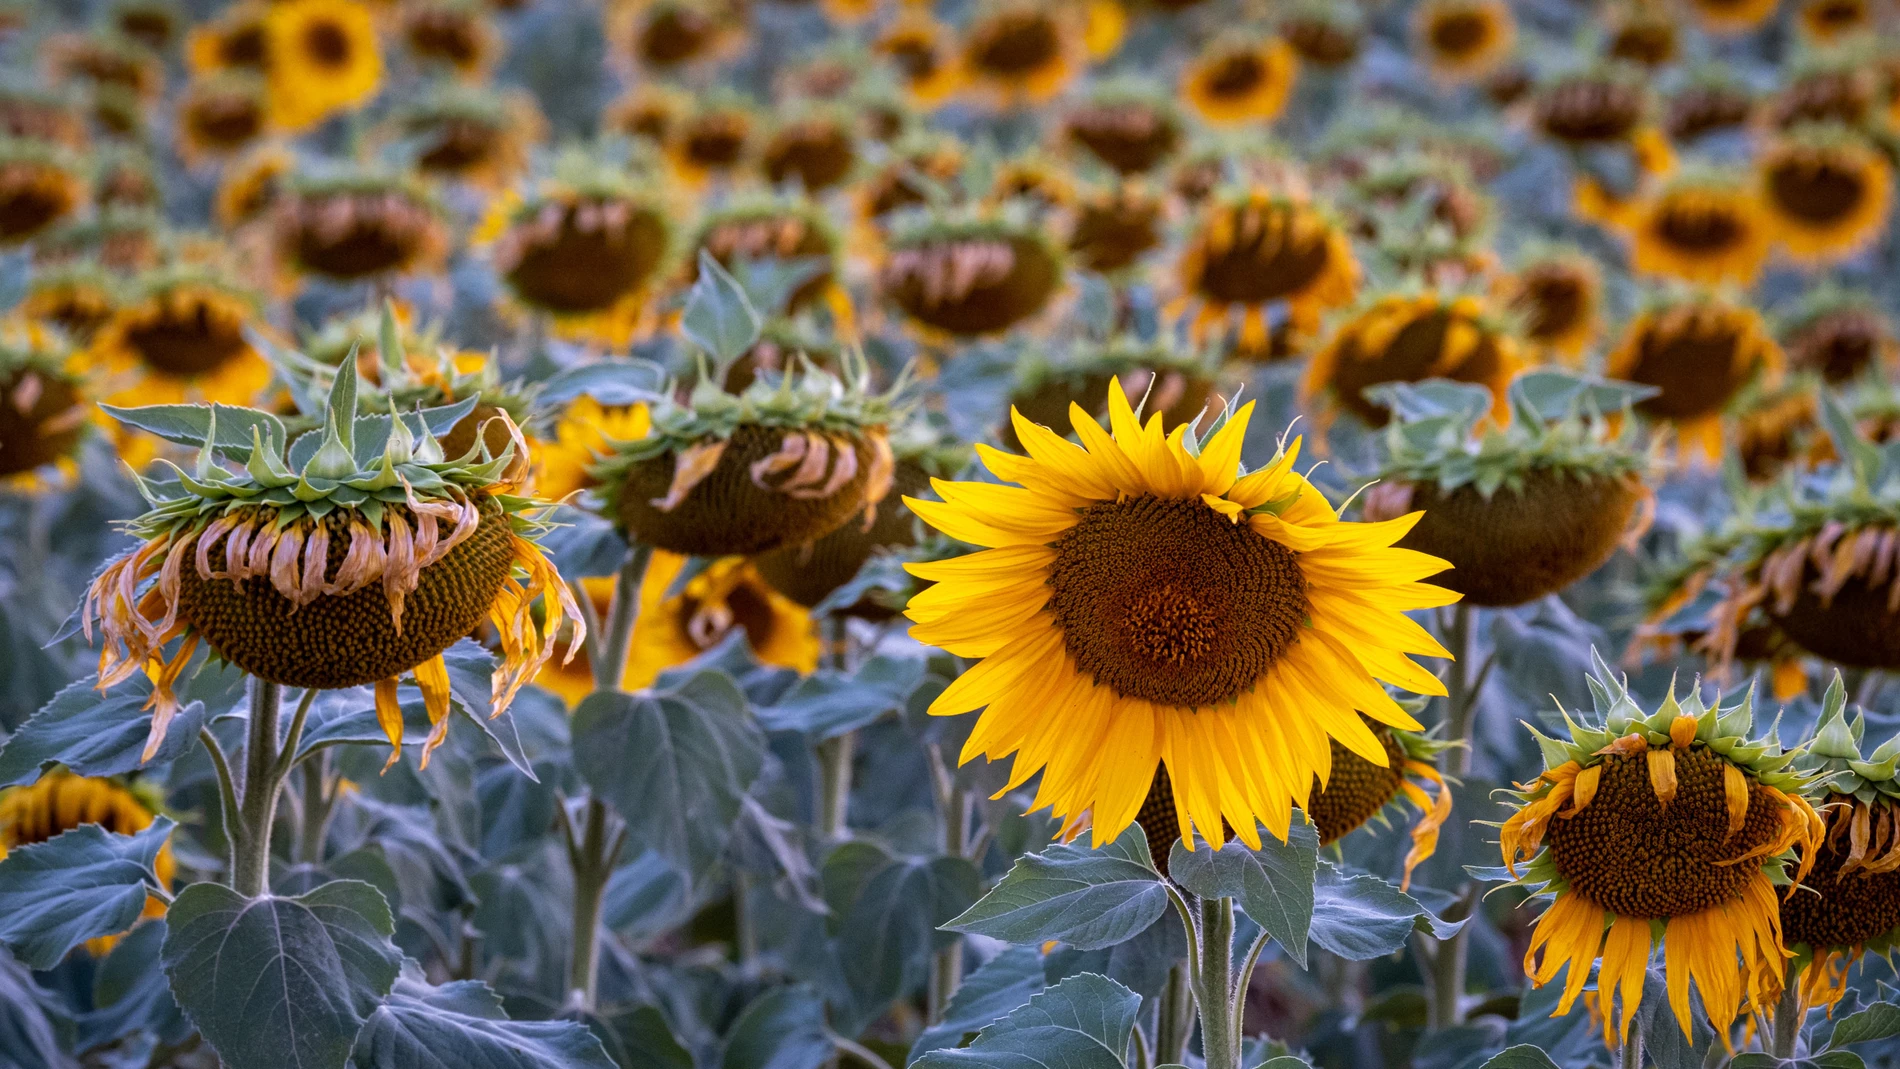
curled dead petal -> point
(689, 468)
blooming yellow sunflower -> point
(180, 336)
(1405, 336)
(40, 184)
(1145, 604)
(1831, 20)
(1827, 192)
(236, 38)
(921, 50)
(1700, 351)
(251, 185)
(58, 802)
(455, 34)
(76, 298)
(1254, 248)
(1360, 790)
(1668, 828)
(1240, 79)
(220, 114)
(1559, 293)
(1732, 16)
(1463, 40)
(323, 57)
(1701, 227)
(1021, 52)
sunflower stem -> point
(257, 807)
(1175, 1020)
(1789, 1014)
(1215, 986)
(611, 666)
(834, 789)
(1446, 964)
(1632, 1050)
(1445, 994)
(318, 799)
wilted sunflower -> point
(105, 59)
(714, 139)
(583, 247)
(1253, 247)
(1838, 334)
(967, 274)
(1176, 383)
(1713, 100)
(38, 114)
(787, 229)
(924, 168)
(1699, 350)
(1672, 828)
(1360, 790)
(1827, 191)
(40, 184)
(456, 34)
(784, 463)
(43, 407)
(1602, 105)
(1831, 20)
(1643, 32)
(1732, 16)
(1240, 79)
(179, 335)
(1524, 510)
(1676, 603)
(357, 224)
(1403, 336)
(59, 801)
(1834, 85)
(364, 561)
(583, 433)
(650, 111)
(1558, 290)
(1021, 51)
(1132, 127)
(1146, 605)
(816, 148)
(662, 35)
(785, 344)
(252, 184)
(221, 114)
(1702, 226)
(924, 54)
(75, 297)
(236, 38)
(469, 133)
(1849, 904)
(1323, 34)
(1114, 227)
(1462, 40)
(1774, 425)
(322, 58)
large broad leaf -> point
(95, 734)
(73, 887)
(611, 382)
(129, 993)
(1878, 1021)
(719, 317)
(461, 1024)
(782, 1029)
(643, 1038)
(31, 1034)
(1081, 1023)
(188, 425)
(829, 703)
(1085, 898)
(675, 764)
(273, 982)
(1003, 983)
(1360, 917)
(471, 670)
(1273, 884)
(890, 926)
(1522, 1056)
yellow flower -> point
(1143, 603)
(1700, 352)
(581, 435)
(921, 50)
(1407, 338)
(180, 338)
(1464, 39)
(1023, 52)
(1827, 192)
(1732, 16)
(323, 58)
(1254, 248)
(1240, 80)
(1701, 228)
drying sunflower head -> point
(1253, 248)
(971, 272)
(793, 230)
(1171, 379)
(1557, 291)
(355, 223)
(467, 133)
(1838, 333)
(1360, 790)
(1132, 126)
(42, 403)
(1699, 349)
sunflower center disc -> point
(1170, 602)
(1699, 231)
(327, 45)
(1460, 32)
(1819, 193)
(1236, 76)
(1636, 857)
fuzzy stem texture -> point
(257, 806)
(1215, 985)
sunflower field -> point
(955, 534)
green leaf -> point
(1878, 1021)
(827, 703)
(782, 1029)
(273, 982)
(611, 382)
(95, 734)
(129, 993)
(1001, 984)
(189, 425)
(1838, 1059)
(32, 1036)
(645, 1040)
(471, 668)
(1081, 1023)
(1360, 917)
(1522, 1056)
(674, 764)
(1273, 885)
(1087, 899)
(462, 1024)
(73, 887)
(890, 926)
(719, 317)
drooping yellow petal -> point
(1735, 786)
(1662, 775)
(432, 676)
(389, 717)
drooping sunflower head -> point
(1421, 213)
(1360, 790)
(1836, 84)
(1702, 226)
(221, 114)
(351, 556)
(714, 139)
(585, 246)
(788, 229)
(40, 183)
(1732, 16)
(1146, 605)
(452, 34)
(1462, 40)
(1521, 510)
(971, 273)
(1643, 32)
(1850, 903)
(1840, 334)
(785, 462)
(1406, 335)
(1131, 126)
(1557, 290)
(650, 111)
(1671, 827)
(75, 298)
(60, 801)
(468, 133)
(1323, 34)
(1712, 100)
(923, 52)
(152, 23)
(1116, 226)
(1177, 382)
(813, 148)
(1254, 247)
(1041, 181)
(923, 169)
(1699, 350)
(39, 113)
(251, 185)
(1678, 595)
(1827, 191)
(666, 35)
(1775, 424)
(179, 335)
(322, 57)
(1600, 105)
(235, 38)
(43, 407)
(105, 58)
(1021, 52)
(1832, 20)
(357, 223)
(1240, 79)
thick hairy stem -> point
(834, 784)
(1446, 993)
(1445, 985)
(1632, 1052)
(953, 803)
(1789, 1016)
(1215, 988)
(612, 663)
(946, 975)
(1176, 1017)
(257, 806)
(318, 799)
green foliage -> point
(80, 885)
